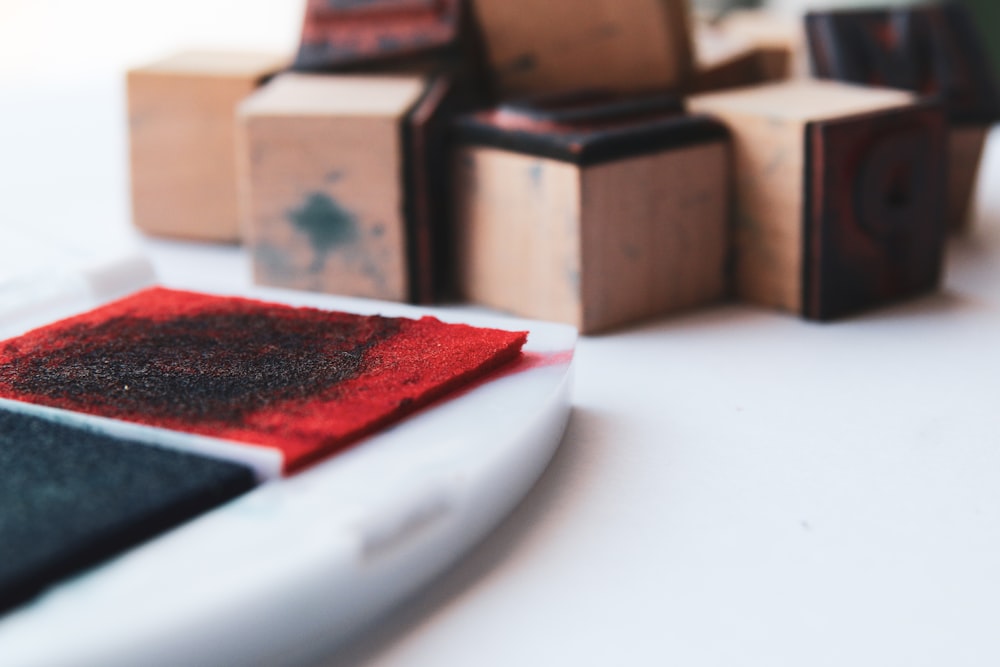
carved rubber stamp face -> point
(336, 33)
(892, 188)
(933, 51)
(875, 219)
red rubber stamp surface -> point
(341, 33)
(304, 381)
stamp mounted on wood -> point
(344, 183)
(874, 206)
(339, 35)
(840, 195)
(933, 51)
(591, 209)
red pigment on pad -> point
(304, 381)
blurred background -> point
(59, 55)
(36, 35)
(987, 12)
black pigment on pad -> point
(214, 366)
(71, 497)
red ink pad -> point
(304, 381)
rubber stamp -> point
(934, 51)
(840, 194)
(591, 209)
(558, 45)
(344, 183)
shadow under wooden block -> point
(182, 132)
(742, 68)
(965, 151)
(591, 211)
(735, 57)
(344, 184)
(347, 34)
(769, 30)
(558, 45)
(934, 51)
(840, 194)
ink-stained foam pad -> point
(302, 381)
(289, 570)
(70, 497)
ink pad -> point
(293, 567)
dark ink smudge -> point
(213, 367)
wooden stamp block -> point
(344, 34)
(559, 45)
(591, 212)
(933, 51)
(182, 132)
(344, 177)
(840, 194)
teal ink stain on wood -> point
(525, 62)
(327, 225)
(275, 262)
(535, 174)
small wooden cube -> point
(343, 180)
(840, 194)
(537, 47)
(182, 132)
(932, 50)
(594, 213)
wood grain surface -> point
(182, 141)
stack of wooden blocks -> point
(596, 163)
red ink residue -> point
(301, 380)
(525, 361)
(530, 360)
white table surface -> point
(737, 487)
